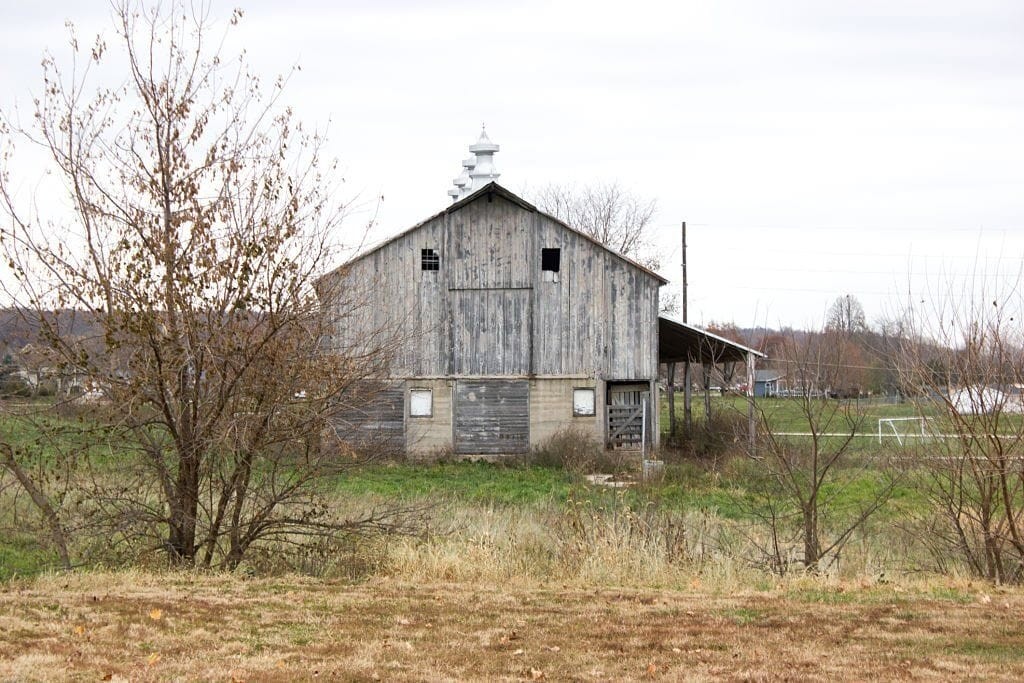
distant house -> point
(766, 383)
(509, 326)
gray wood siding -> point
(552, 309)
(392, 302)
(488, 310)
(600, 318)
(491, 331)
(492, 417)
(490, 246)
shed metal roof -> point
(679, 343)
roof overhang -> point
(680, 343)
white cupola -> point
(477, 170)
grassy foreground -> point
(158, 626)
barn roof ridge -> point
(493, 188)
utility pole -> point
(685, 320)
(687, 380)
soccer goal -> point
(904, 428)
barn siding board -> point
(551, 309)
(490, 246)
(490, 331)
(594, 320)
(492, 417)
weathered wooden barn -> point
(507, 325)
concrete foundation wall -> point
(551, 409)
(428, 437)
(550, 406)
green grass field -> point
(786, 414)
(730, 489)
(471, 482)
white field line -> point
(916, 458)
(888, 436)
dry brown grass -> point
(143, 626)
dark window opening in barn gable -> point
(550, 264)
(430, 259)
(550, 259)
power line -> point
(901, 273)
(866, 227)
(831, 290)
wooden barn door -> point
(625, 409)
(492, 417)
(372, 418)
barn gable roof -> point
(492, 189)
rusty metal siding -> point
(492, 417)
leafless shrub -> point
(798, 481)
(963, 359)
(577, 452)
(722, 433)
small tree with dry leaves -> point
(201, 215)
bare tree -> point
(202, 216)
(613, 216)
(802, 480)
(962, 358)
(846, 314)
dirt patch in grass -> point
(160, 627)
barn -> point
(508, 326)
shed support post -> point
(751, 411)
(687, 399)
(707, 393)
(672, 400)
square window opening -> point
(551, 259)
(583, 404)
(421, 403)
(430, 259)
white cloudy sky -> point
(814, 148)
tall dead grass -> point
(610, 543)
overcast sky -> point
(814, 148)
